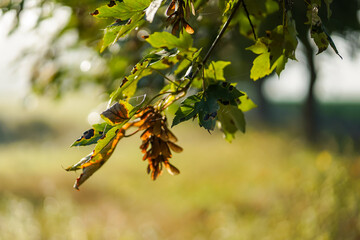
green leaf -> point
(258, 11)
(319, 36)
(105, 143)
(206, 105)
(332, 44)
(223, 92)
(129, 15)
(183, 64)
(119, 29)
(167, 40)
(260, 46)
(92, 135)
(189, 109)
(280, 64)
(216, 70)
(129, 84)
(208, 108)
(261, 66)
(232, 119)
(122, 10)
(274, 50)
(245, 103)
(317, 30)
(110, 34)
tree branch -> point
(213, 45)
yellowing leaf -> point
(122, 10)
(92, 135)
(259, 47)
(92, 162)
(280, 64)
(167, 40)
(120, 28)
(117, 113)
(261, 66)
(216, 70)
(246, 103)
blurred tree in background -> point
(82, 33)
(77, 53)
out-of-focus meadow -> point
(267, 184)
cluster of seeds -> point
(157, 142)
(177, 12)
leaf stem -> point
(165, 77)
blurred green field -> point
(267, 184)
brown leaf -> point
(157, 128)
(165, 151)
(171, 169)
(171, 9)
(163, 135)
(155, 147)
(93, 162)
(188, 28)
(116, 114)
(146, 135)
(144, 146)
(146, 155)
(187, 11)
(176, 148)
(87, 172)
(170, 136)
(175, 27)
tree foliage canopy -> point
(171, 52)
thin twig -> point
(213, 45)
(156, 96)
(182, 92)
(175, 99)
(166, 78)
(248, 17)
(222, 31)
(131, 134)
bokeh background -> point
(293, 175)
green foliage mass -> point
(173, 57)
(182, 64)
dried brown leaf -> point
(176, 148)
(171, 9)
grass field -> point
(267, 184)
